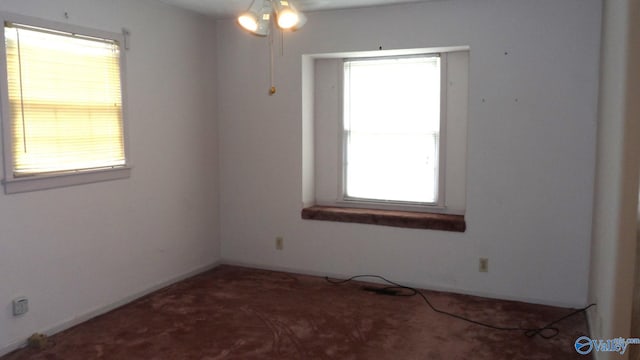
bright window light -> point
(65, 102)
(392, 129)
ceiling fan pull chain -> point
(272, 88)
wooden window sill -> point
(404, 219)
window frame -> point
(17, 184)
(342, 198)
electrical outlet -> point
(20, 306)
(279, 243)
(483, 265)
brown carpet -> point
(239, 313)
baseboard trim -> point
(410, 284)
(66, 324)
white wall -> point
(532, 122)
(75, 250)
(618, 159)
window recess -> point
(385, 137)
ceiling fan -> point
(257, 19)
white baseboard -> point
(66, 324)
(410, 284)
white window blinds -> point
(65, 101)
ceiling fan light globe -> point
(288, 19)
(248, 21)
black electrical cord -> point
(547, 332)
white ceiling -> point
(227, 8)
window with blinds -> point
(65, 102)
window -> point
(386, 131)
(62, 107)
(391, 139)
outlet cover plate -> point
(20, 306)
(483, 266)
